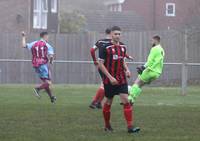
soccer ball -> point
(129, 89)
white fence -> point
(78, 76)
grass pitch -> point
(162, 113)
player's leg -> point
(96, 103)
(145, 78)
(97, 100)
(135, 90)
(109, 94)
(101, 96)
(49, 91)
(44, 74)
(107, 114)
(42, 86)
(102, 92)
(128, 109)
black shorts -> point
(112, 90)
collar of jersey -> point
(43, 40)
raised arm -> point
(23, 40)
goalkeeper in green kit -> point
(150, 71)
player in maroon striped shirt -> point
(42, 57)
(116, 71)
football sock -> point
(106, 114)
(135, 91)
(48, 90)
(99, 95)
(128, 114)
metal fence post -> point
(184, 66)
(184, 79)
(0, 76)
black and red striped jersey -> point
(101, 43)
(98, 44)
(113, 57)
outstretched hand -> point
(23, 34)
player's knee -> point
(136, 89)
(108, 101)
(127, 106)
(139, 82)
(124, 98)
(49, 82)
(125, 102)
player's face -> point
(116, 35)
(153, 42)
(46, 37)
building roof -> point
(99, 20)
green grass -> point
(162, 113)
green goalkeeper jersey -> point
(155, 59)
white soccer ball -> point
(129, 89)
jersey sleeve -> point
(50, 49)
(30, 45)
(96, 45)
(102, 53)
(92, 53)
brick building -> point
(164, 14)
(28, 15)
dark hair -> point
(156, 37)
(107, 31)
(42, 34)
(114, 28)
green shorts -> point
(148, 75)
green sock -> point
(135, 91)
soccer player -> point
(115, 70)
(150, 71)
(42, 55)
(96, 103)
(97, 100)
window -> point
(115, 8)
(120, 8)
(40, 13)
(54, 6)
(170, 9)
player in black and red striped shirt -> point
(116, 71)
(98, 98)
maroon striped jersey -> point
(113, 57)
(39, 53)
